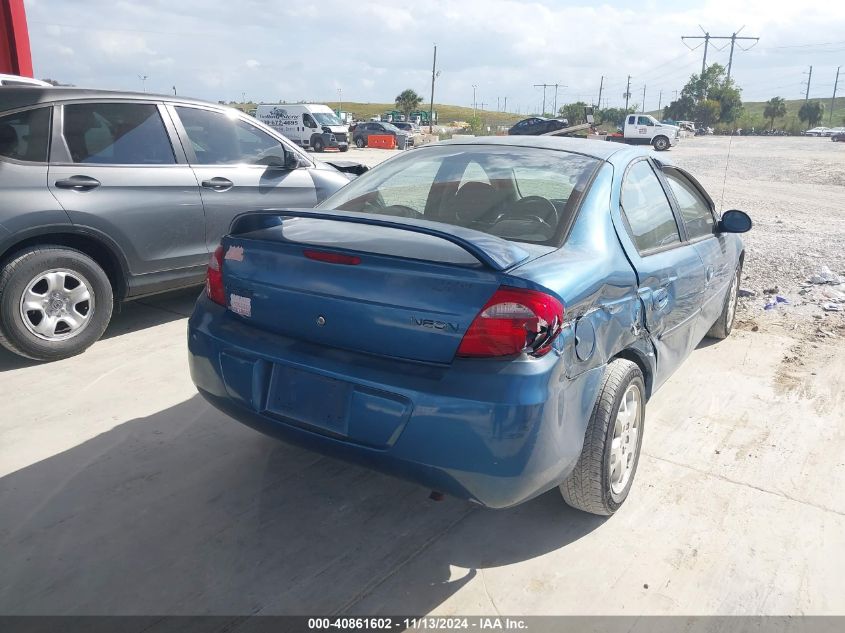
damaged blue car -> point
(486, 317)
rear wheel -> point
(721, 329)
(359, 142)
(602, 478)
(54, 303)
(660, 143)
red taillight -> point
(514, 320)
(332, 258)
(214, 277)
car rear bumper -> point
(492, 432)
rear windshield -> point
(521, 194)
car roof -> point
(14, 97)
(602, 150)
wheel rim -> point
(625, 440)
(57, 304)
(732, 300)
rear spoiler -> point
(494, 252)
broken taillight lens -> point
(214, 277)
(515, 320)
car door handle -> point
(660, 298)
(78, 183)
(218, 184)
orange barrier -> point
(381, 141)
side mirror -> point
(734, 221)
(291, 161)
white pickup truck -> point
(644, 129)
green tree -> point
(573, 112)
(701, 92)
(407, 101)
(775, 109)
(613, 116)
(811, 112)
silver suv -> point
(108, 196)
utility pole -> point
(143, 79)
(340, 99)
(556, 87)
(473, 99)
(174, 91)
(431, 103)
(497, 104)
(643, 108)
(659, 103)
(506, 104)
(809, 79)
(833, 98)
(544, 97)
(481, 106)
(707, 37)
(627, 94)
(601, 86)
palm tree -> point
(775, 109)
(811, 112)
(407, 101)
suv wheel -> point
(55, 302)
(317, 145)
(359, 142)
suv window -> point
(695, 210)
(218, 139)
(116, 134)
(647, 209)
(24, 135)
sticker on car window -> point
(240, 305)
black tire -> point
(317, 145)
(360, 143)
(344, 148)
(723, 326)
(588, 487)
(22, 269)
(660, 143)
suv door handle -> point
(218, 184)
(78, 183)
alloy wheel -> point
(57, 304)
(625, 439)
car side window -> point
(116, 134)
(24, 135)
(631, 120)
(218, 139)
(647, 210)
(644, 120)
(695, 210)
(308, 121)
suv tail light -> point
(513, 321)
(214, 277)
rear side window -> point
(695, 210)
(116, 134)
(24, 135)
(647, 209)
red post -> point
(15, 56)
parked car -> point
(838, 134)
(137, 191)
(362, 132)
(413, 131)
(816, 131)
(536, 125)
(487, 318)
(17, 80)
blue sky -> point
(270, 51)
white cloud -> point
(252, 63)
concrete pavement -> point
(122, 492)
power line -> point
(707, 37)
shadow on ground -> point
(131, 316)
(188, 512)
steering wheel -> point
(401, 211)
(538, 209)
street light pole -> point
(143, 79)
(473, 99)
(431, 104)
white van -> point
(306, 124)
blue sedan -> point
(487, 318)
